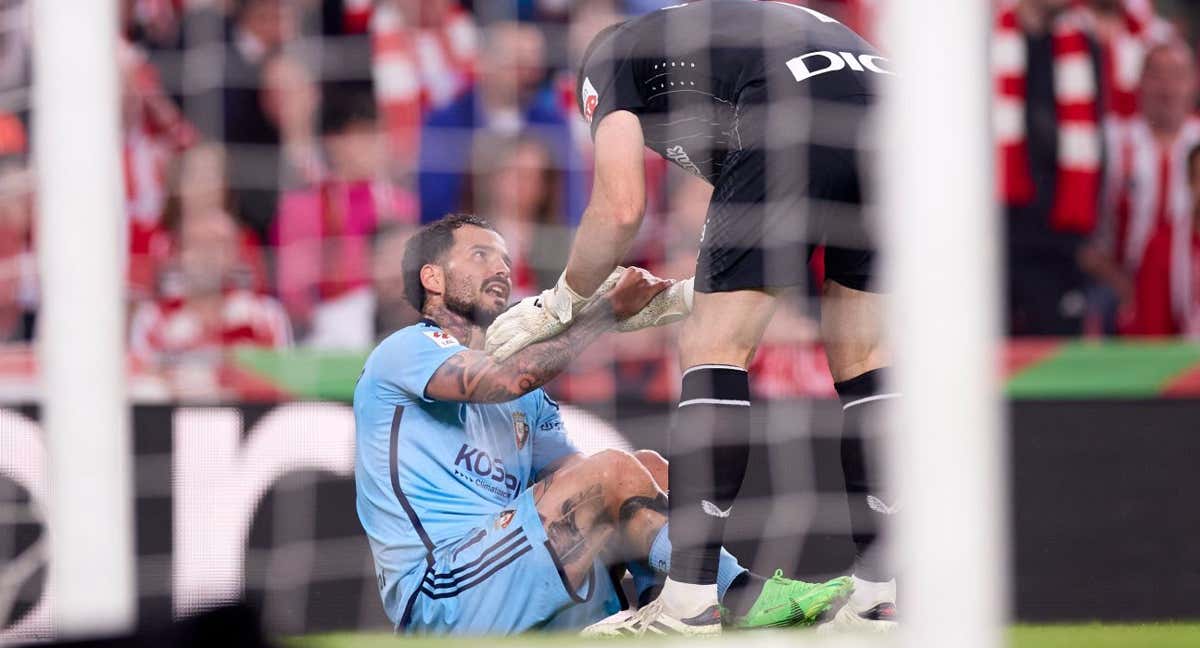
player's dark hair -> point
(427, 246)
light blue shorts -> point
(503, 577)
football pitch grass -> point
(1179, 635)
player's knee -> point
(697, 347)
(651, 460)
(614, 463)
(622, 473)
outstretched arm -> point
(618, 202)
(476, 377)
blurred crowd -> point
(277, 154)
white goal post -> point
(81, 346)
(945, 450)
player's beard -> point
(469, 304)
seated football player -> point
(481, 515)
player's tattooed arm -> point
(476, 377)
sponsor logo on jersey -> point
(588, 99)
(814, 64)
(679, 156)
(479, 468)
(520, 429)
(442, 338)
(505, 518)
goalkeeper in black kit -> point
(769, 102)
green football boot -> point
(785, 602)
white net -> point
(278, 155)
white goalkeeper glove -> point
(668, 306)
(541, 317)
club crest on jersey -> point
(520, 429)
(588, 99)
(505, 518)
(442, 338)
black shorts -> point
(773, 206)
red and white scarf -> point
(1079, 134)
(1140, 30)
(418, 68)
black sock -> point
(710, 445)
(743, 592)
(863, 399)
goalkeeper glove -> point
(541, 317)
(667, 307)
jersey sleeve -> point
(410, 359)
(550, 442)
(608, 85)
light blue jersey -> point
(443, 494)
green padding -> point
(308, 375)
(1105, 369)
(1076, 370)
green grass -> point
(1022, 636)
(1164, 635)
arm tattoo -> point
(475, 377)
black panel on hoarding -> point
(154, 522)
(301, 508)
(1104, 516)
(1106, 523)
(17, 537)
(17, 543)
(252, 414)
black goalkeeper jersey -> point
(714, 76)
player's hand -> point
(524, 323)
(634, 290)
(667, 307)
(538, 318)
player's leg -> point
(748, 600)
(751, 600)
(738, 588)
(710, 439)
(657, 465)
(610, 505)
(647, 582)
(851, 328)
(608, 501)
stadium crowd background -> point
(278, 152)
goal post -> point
(941, 235)
(81, 347)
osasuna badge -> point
(505, 518)
(520, 428)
